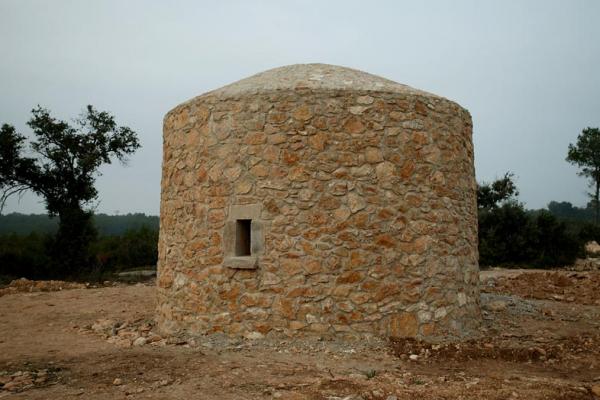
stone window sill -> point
(242, 262)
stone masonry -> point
(316, 199)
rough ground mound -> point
(100, 343)
(574, 287)
(26, 285)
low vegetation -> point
(511, 236)
(130, 243)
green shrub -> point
(135, 248)
(24, 256)
(552, 245)
(510, 236)
(589, 232)
(503, 235)
(30, 256)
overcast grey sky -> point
(528, 71)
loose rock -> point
(496, 305)
(140, 341)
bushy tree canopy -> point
(66, 158)
(491, 195)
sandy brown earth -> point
(540, 340)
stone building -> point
(318, 199)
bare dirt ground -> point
(540, 340)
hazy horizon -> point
(526, 70)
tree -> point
(586, 155)
(63, 172)
(491, 195)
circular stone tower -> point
(318, 199)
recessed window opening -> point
(242, 237)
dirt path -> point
(530, 348)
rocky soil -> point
(571, 287)
(26, 285)
(540, 340)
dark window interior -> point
(242, 237)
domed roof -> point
(316, 77)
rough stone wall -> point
(368, 211)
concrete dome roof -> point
(315, 77)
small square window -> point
(243, 238)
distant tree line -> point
(28, 254)
(24, 224)
(124, 242)
(509, 235)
